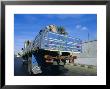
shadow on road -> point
(51, 70)
(54, 70)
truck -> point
(51, 45)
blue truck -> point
(49, 46)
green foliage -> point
(75, 64)
(90, 66)
(61, 30)
(82, 65)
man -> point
(58, 59)
(64, 60)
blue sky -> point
(27, 26)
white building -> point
(89, 53)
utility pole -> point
(88, 36)
(88, 42)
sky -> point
(27, 26)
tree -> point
(61, 30)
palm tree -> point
(61, 30)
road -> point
(19, 68)
(55, 70)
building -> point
(89, 53)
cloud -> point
(78, 26)
(81, 27)
(84, 28)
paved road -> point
(19, 68)
(55, 70)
